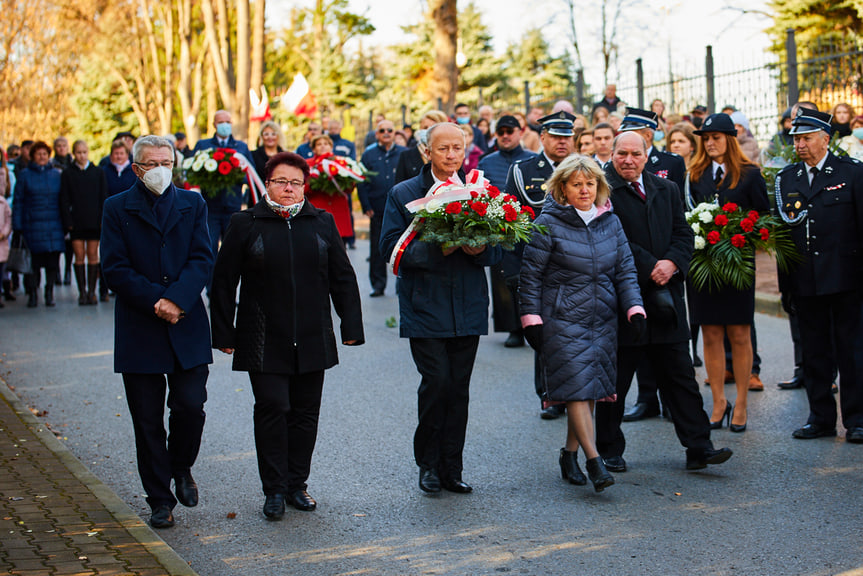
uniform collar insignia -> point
(828, 169)
(654, 159)
(540, 164)
(800, 172)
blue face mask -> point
(223, 129)
(858, 133)
(658, 136)
(465, 120)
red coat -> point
(338, 205)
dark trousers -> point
(672, 366)
(504, 301)
(162, 456)
(50, 261)
(647, 386)
(286, 428)
(217, 223)
(445, 365)
(377, 264)
(825, 321)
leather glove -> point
(533, 335)
(639, 324)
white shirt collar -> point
(717, 166)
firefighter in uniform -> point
(527, 181)
(821, 198)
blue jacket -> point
(36, 208)
(119, 182)
(373, 192)
(305, 151)
(439, 296)
(342, 147)
(143, 262)
(226, 202)
(496, 165)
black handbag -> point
(20, 260)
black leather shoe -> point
(553, 412)
(615, 463)
(301, 500)
(854, 435)
(515, 340)
(186, 490)
(811, 431)
(599, 476)
(794, 383)
(274, 506)
(641, 411)
(569, 469)
(456, 485)
(711, 456)
(162, 517)
(429, 480)
(377, 294)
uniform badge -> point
(654, 159)
(800, 173)
(797, 205)
(540, 164)
(828, 170)
(791, 215)
(542, 187)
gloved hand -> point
(533, 335)
(639, 324)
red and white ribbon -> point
(256, 185)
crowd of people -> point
(601, 296)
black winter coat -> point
(290, 270)
(82, 196)
(579, 278)
(657, 230)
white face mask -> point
(157, 179)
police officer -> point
(821, 198)
(670, 167)
(527, 181)
(495, 167)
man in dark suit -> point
(156, 257)
(651, 213)
(527, 181)
(443, 302)
(821, 198)
(671, 167)
(223, 204)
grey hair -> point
(587, 166)
(435, 127)
(150, 142)
(619, 136)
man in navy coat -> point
(156, 257)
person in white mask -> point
(156, 257)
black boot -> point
(81, 282)
(92, 278)
(103, 287)
(33, 298)
(50, 280)
(598, 474)
(569, 469)
(7, 291)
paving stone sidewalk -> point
(57, 518)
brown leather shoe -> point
(755, 383)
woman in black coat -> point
(721, 172)
(269, 145)
(292, 263)
(83, 189)
(575, 280)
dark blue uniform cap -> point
(808, 121)
(637, 119)
(718, 123)
(558, 124)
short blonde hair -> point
(587, 166)
(435, 116)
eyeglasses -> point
(284, 184)
(505, 131)
(387, 130)
(151, 165)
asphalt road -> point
(778, 507)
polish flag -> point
(298, 100)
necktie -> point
(637, 187)
(814, 172)
(718, 177)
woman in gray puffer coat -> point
(574, 281)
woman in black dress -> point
(83, 189)
(720, 172)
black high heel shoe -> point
(736, 427)
(598, 474)
(726, 415)
(569, 469)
